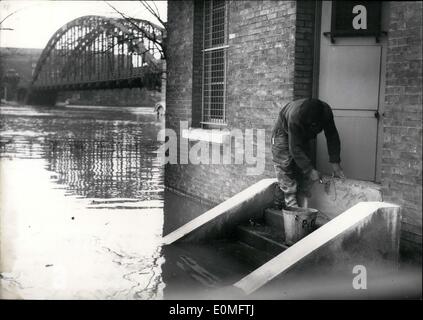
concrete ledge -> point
(340, 196)
(241, 207)
(208, 135)
(366, 233)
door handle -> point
(378, 115)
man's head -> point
(312, 115)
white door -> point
(351, 78)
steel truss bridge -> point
(96, 52)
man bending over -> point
(298, 122)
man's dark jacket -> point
(300, 121)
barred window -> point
(214, 61)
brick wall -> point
(265, 60)
(179, 62)
(304, 49)
(197, 81)
(270, 59)
(402, 135)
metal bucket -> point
(298, 223)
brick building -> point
(230, 61)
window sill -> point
(208, 135)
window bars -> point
(214, 62)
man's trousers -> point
(291, 180)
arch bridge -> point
(96, 52)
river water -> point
(82, 203)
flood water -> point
(83, 210)
(82, 203)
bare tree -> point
(5, 18)
(159, 41)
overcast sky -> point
(36, 21)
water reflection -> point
(62, 171)
(96, 153)
(83, 206)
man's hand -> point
(315, 175)
(337, 171)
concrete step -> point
(273, 218)
(217, 263)
(263, 238)
(250, 255)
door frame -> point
(382, 83)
